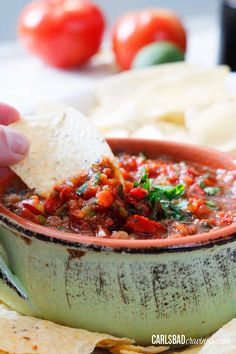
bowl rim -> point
(77, 238)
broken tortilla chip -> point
(22, 334)
(128, 82)
(193, 349)
(214, 124)
(62, 145)
(161, 97)
(133, 349)
(223, 341)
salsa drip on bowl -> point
(157, 199)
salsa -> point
(154, 198)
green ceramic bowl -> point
(123, 287)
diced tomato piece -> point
(194, 204)
(203, 211)
(173, 179)
(78, 214)
(108, 171)
(65, 194)
(103, 179)
(141, 224)
(131, 163)
(221, 218)
(78, 180)
(90, 192)
(188, 180)
(111, 181)
(128, 186)
(196, 190)
(209, 182)
(199, 208)
(191, 172)
(172, 175)
(225, 218)
(124, 173)
(105, 198)
(27, 214)
(33, 209)
(52, 204)
(138, 193)
(184, 229)
(74, 206)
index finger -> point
(8, 114)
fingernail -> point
(16, 142)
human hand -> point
(13, 145)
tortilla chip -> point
(125, 117)
(223, 341)
(116, 88)
(229, 147)
(62, 145)
(215, 124)
(127, 84)
(133, 349)
(161, 98)
(21, 334)
(164, 131)
(176, 95)
(193, 349)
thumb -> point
(13, 146)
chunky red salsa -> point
(157, 199)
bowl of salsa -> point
(150, 245)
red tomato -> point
(140, 224)
(51, 205)
(105, 198)
(32, 209)
(138, 193)
(63, 33)
(135, 30)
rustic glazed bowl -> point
(123, 287)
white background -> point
(27, 83)
(9, 10)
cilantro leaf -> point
(166, 192)
(211, 190)
(163, 197)
(202, 184)
(211, 204)
(173, 210)
(144, 182)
